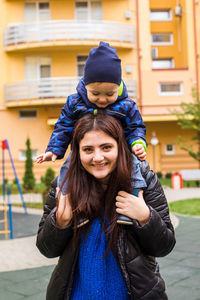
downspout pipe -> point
(138, 58)
(195, 48)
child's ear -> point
(120, 90)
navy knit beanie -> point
(103, 65)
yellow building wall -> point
(17, 131)
(64, 64)
(62, 10)
(114, 10)
(167, 133)
(177, 26)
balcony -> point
(48, 91)
(67, 32)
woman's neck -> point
(104, 182)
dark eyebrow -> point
(105, 144)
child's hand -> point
(45, 157)
(139, 151)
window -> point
(171, 89)
(167, 63)
(162, 39)
(88, 10)
(81, 59)
(27, 114)
(37, 67)
(161, 15)
(36, 12)
(170, 149)
(22, 154)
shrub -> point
(28, 179)
(14, 181)
(47, 179)
(168, 175)
(159, 174)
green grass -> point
(167, 182)
(39, 188)
(190, 207)
(30, 205)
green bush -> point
(28, 179)
(6, 181)
(168, 175)
(159, 174)
(47, 179)
(14, 181)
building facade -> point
(44, 45)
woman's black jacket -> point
(136, 249)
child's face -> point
(102, 93)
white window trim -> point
(89, 18)
(167, 152)
(161, 19)
(22, 157)
(37, 9)
(28, 118)
(79, 63)
(171, 42)
(180, 93)
(38, 64)
(171, 60)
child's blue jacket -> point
(124, 109)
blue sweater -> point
(124, 109)
(97, 277)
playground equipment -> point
(6, 205)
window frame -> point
(171, 60)
(38, 60)
(22, 157)
(37, 7)
(89, 9)
(80, 63)
(167, 152)
(28, 118)
(170, 43)
(161, 19)
(170, 93)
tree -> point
(189, 118)
(28, 179)
(47, 179)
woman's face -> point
(98, 154)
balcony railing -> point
(54, 87)
(68, 30)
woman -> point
(100, 259)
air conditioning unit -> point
(178, 11)
(154, 52)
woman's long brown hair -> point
(87, 197)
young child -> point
(100, 88)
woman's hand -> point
(64, 211)
(133, 207)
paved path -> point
(30, 270)
(182, 194)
